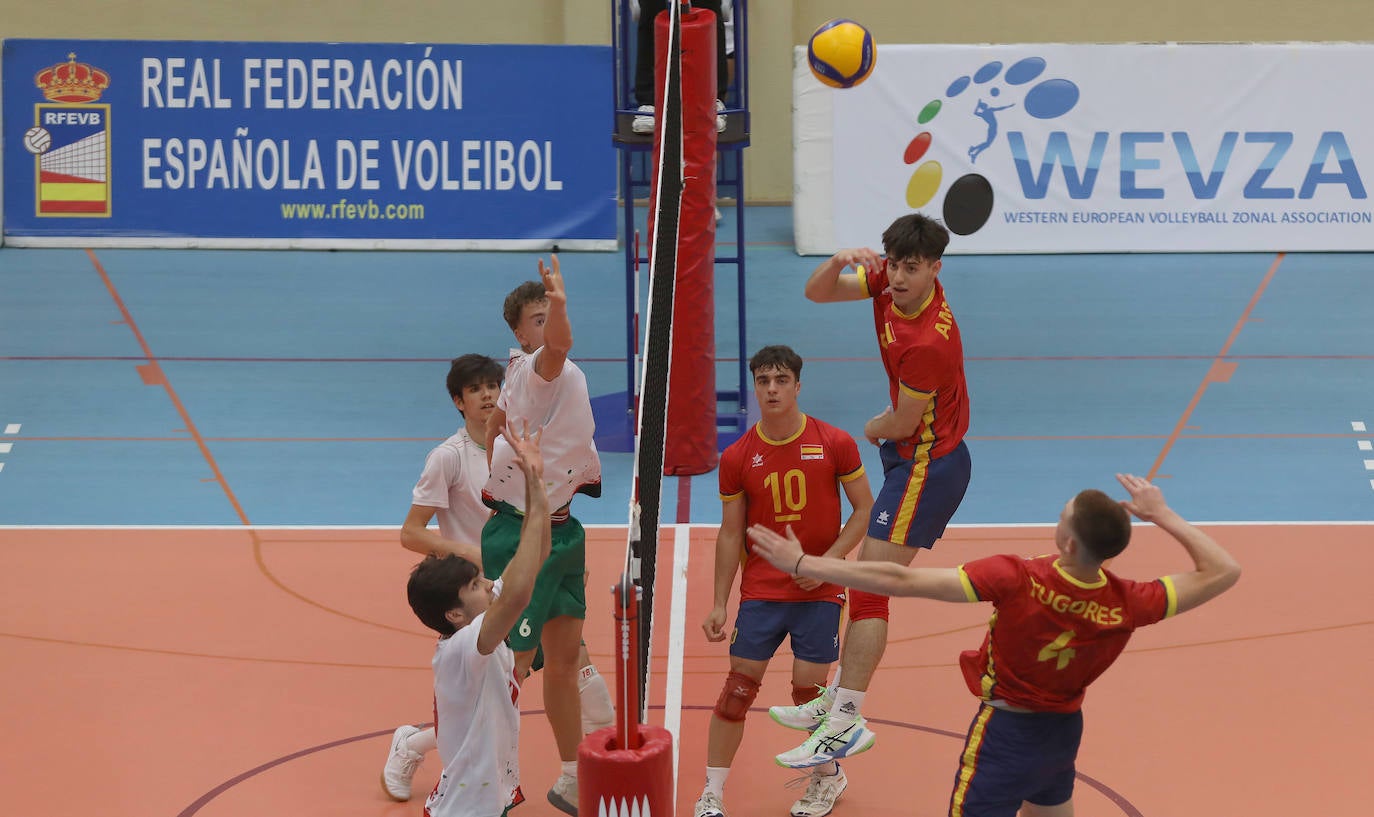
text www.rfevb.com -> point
(359, 211)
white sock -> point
(845, 709)
(570, 768)
(423, 742)
(715, 780)
(835, 682)
(597, 710)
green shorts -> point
(559, 589)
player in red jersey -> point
(1060, 622)
(926, 464)
(784, 474)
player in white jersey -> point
(546, 389)
(450, 487)
(476, 686)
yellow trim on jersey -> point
(1101, 579)
(1170, 593)
(917, 393)
(731, 497)
(758, 429)
(906, 512)
(969, 593)
(968, 762)
(863, 284)
(989, 679)
(919, 309)
(852, 475)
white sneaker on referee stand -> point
(807, 716)
(401, 764)
(644, 121)
(563, 795)
(833, 739)
(822, 790)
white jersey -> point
(452, 481)
(477, 722)
(563, 408)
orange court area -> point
(255, 673)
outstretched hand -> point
(553, 281)
(781, 551)
(527, 453)
(1147, 501)
(859, 259)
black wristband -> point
(797, 568)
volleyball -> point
(841, 53)
(37, 140)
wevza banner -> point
(1087, 148)
(167, 143)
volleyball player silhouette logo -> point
(993, 96)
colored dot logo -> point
(968, 201)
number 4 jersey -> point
(1051, 634)
(793, 482)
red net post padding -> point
(626, 782)
(691, 446)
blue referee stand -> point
(636, 175)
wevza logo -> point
(968, 201)
(70, 141)
(1042, 160)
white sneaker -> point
(563, 795)
(708, 805)
(644, 122)
(720, 120)
(719, 215)
(829, 742)
(807, 716)
(821, 793)
(401, 764)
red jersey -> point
(1051, 634)
(794, 482)
(924, 357)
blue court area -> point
(176, 387)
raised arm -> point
(416, 535)
(829, 283)
(558, 339)
(785, 553)
(729, 546)
(1215, 571)
(518, 577)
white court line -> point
(677, 641)
(1369, 465)
(2, 466)
(1357, 425)
(12, 428)
(6, 448)
(1366, 445)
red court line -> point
(152, 374)
(171, 392)
(861, 359)
(1220, 370)
(1351, 435)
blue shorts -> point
(1010, 757)
(761, 626)
(917, 500)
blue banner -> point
(308, 144)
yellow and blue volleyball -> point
(841, 53)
